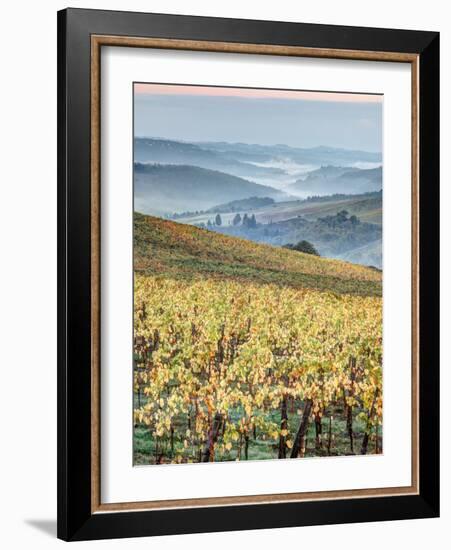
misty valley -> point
(278, 195)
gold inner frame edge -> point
(97, 41)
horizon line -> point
(207, 141)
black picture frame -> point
(75, 518)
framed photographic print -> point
(248, 274)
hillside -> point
(332, 179)
(333, 235)
(167, 188)
(367, 206)
(275, 165)
(321, 155)
(240, 205)
(167, 151)
(314, 220)
(186, 252)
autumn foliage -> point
(230, 369)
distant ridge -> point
(185, 153)
(338, 179)
(246, 160)
(169, 188)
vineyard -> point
(229, 367)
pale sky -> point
(267, 117)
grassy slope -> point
(367, 209)
(182, 251)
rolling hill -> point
(334, 235)
(332, 179)
(321, 155)
(167, 188)
(240, 205)
(367, 206)
(182, 251)
(276, 165)
(167, 151)
(290, 221)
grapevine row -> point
(225, 366)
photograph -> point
(257, 254)
(248, 272)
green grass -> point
(260, 449)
